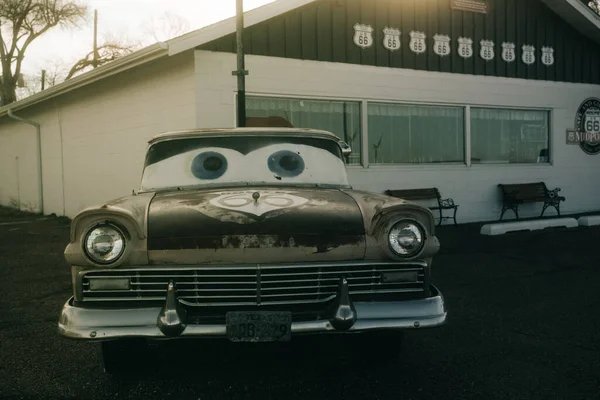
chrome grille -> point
(253, 285)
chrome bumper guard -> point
(170, 320)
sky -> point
(127, 19)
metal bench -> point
(515, 194)
(427, 194)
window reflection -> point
(509, 136)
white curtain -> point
(401, 133)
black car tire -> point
(123, 356)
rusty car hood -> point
(252, 225)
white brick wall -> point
(101, 132)
(474, 188)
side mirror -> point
(346, 150)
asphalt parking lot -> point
(524, 323)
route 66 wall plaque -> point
(587, 127)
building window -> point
(339, 117)
(415, 134)
(509, 136)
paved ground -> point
(524, 324)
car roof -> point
(222, 132)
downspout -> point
(39, 151)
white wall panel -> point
(106, 127)
(99, 134)
(18, 164)
(18, 151)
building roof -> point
(205, 132)
(212, 32)
(577, 14)
(573, 11)
(129, 61)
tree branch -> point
(21, 52)
(108, 52)
(3, 48)
(17, 24)
(27, 20)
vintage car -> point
(251, 234)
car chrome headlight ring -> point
(104, 244)
(406, 238)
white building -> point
(428, 94)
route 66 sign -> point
(417, 42)
(508, 52)
(363, 35)
(547, 55)
(441, 45)
(587, 125)
(391, 39)
(465, 47)
(487, 50)
(528, 56)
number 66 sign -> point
(363, 35)
(417, 42)
(391, 39)
(587, 126)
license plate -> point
(259, 326)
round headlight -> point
(406, 238)
(104, 244)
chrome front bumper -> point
(169, 322)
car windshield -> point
(243, 160)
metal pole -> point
(95, 61)
(43, 79)
(241, 71)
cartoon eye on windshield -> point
(209, 165)
(286, 164)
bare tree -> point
(114, 46)
(53, 73)
(23, 21)
(105, 53)
(166, 26)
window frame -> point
(467, 130)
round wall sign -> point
(587, 121)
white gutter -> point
(39, 151)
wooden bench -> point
(427, 194)
(518, 193)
